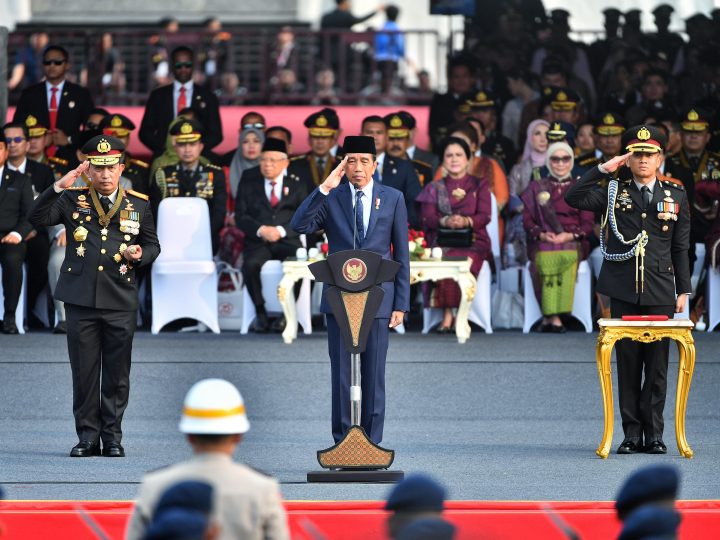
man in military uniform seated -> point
(645, 271)
(692, 164)
(413, 152)
(323, 129)
(190, 178)
(38, 242)
(137, 171)
(111, 234)
(264, 207)
(398, 132)
(607, 132)
(483, 106)
(38, 140)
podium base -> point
(377, 476)
(355, 451)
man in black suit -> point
(61, 105)
(191, 178)
(266, 202)
(15, 202)
(166, 102)
(390, 171)
(38, 242)
(645, 271)
(111, 234)
(461, 80)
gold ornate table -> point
(429, 270)
(612, 330)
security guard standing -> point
(190, 178)
(247, 503)
(111, 233)
(323, 127)
(644, 240)
(136, 170)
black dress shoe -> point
(629, 447)
(9, 326)
(85, 449)
(279, 325)
(545, 328)
(261, 324)
(557, 329)
(656, 447)
(60, 328)
(113, 449)
(443, 330)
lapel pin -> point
(71, 104)
(377, 203)
(286, 190)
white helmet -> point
(214, 407)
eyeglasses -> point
(271, 160)
(181, 65)
(256, 125)
(16, 140)
(560, 159)
(53, 62)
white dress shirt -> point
(20, 168)
(188, 94)
(269, 188)
(411, 152)
(58, 94)
(2, 171)
(366, 201)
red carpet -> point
(60, 520)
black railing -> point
(246, 68)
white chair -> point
(713, 298)
(582, 301)
(184, 277)
(480, 309)
(270, 276)
(493, 229)
(20, 310)
(596, 260)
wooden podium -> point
(646, 332)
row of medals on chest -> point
(667, 209)
(129, 225)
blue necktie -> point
(376, 174)
(359, 217)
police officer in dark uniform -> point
(136, 170)
(645, 271)
(111, 233)
(693, 163)
(483, 106)
(190, 178)
(317, 164)
(37, 138)
(398, 133)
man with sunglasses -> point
(38, 242)
(645, 272)
(59, 104)
(164, 104)
(15, 202)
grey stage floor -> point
(504, 416)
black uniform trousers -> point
(38, 255)
(642, 400)
(100, 346)
(372, 380)
(12, 257)
(253, 260)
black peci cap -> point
(359, 144)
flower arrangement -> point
(418, 246)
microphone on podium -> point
(357, 188)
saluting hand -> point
(615, 163)
(334, 178)
(69, 179)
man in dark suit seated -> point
(391, 171)
(61, 105)
(38, 243)
(166, 102)
(15, 202)
(266, 201)
(340, 206)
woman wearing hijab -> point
(557, 237)
(246, 155)
(533, 156)
(457, 201)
